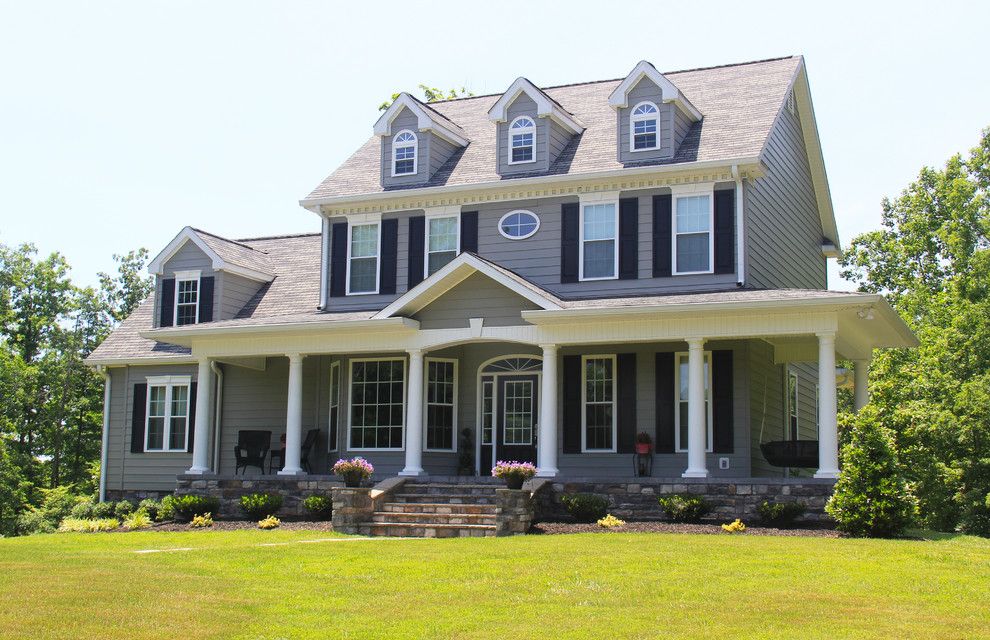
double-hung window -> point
(441, 404)
(598, 400)
(693, 237)
(682, 387)
(442, 240)
(404, 148)
(522, 140)
(644, 133)
(362, 258)
(167, 414)
(186, 298)
(377, 403)
(599, 246)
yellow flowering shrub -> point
(736, 526)
(199, 522)
(271, 522)
(610, 521)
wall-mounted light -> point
(865, 314)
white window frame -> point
(426, 239)
(169, 382)
(615, 239)
(334, 402)
(677, 401)
(690, 191)
(350, 397)
(186, 276)
(415, 146)
(522, 131)
(793, 406)
(513, 212)
(496, 415)
(534, 428)
(633, 118)
(584, 402)
(351, 225)
(481, 411)
(426, 403)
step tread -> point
(439, 516)
(405, 494)
(423, 525)
(438, 504)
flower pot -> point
(642, 448)
(515, 482)
(352, 480)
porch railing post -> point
(861, 372)
(201, 431)
(293, 418)
(828, 430)
(546, 446)
(697, 416)
(414, 416)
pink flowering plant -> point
(514, 473)
(353, 471)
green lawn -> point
(578, 586)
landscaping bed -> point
(239, 525)
(556, 528)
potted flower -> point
(643, 443)
(514, 473)
(353, 471)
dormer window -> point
(404, 147)
(643, 129)
(186, 298)
(522, 140)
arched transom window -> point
(522, 140)
(514, 365)
(643, 127)
(404, 147)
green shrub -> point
(318, 506)
(684, 507)
(103, 510)
(186, 507)
(150, 506)
(56, 505)
(975, 500)
(83, 509)
(123, 509)
(585, 507)
(780, 515)
(34, 521)
(90, 525)
(258, 506)
(871, 498)
(137, 520)
(166, 509)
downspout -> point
(324, 260)
(740, 229)
(218, 372)
(105, 443)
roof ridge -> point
(213, 235)
(275, 237)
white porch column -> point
(546, 451)
(697, 429)
(201, 432)
(861, 372)
(293, 418)
(828, 430)
(414, 416)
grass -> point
(575, 586)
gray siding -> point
(233, 292)
(559, 139)
(644, 90)
(477, 297)
(188, 258)
(439, 151)
(406, 120)
(523, 105)
(783, 227)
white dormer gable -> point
(619, 98)
(246, 268)
(545, 106)
(427, 120)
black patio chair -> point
(307, 448)
(251, 449)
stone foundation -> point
(513, 511)
(293, 489)
(737, 498)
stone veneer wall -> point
(293, 489)
(736, 498)
(514, 511)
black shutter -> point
(338, 259)
(626, 413)
(628, 239)
(191, 429)
(725, 231)
(571, 414)
(661, 236)
(166, 312)
(390, 256)
(206, 299)
(469, 231)
(417, 229)
(722, 401)
(137, 417)
(569, 238)
(664, 375)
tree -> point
(123, 292)
(431, 94)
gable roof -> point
(546, 107)
(670, 92)
(427, 119)
(226, 255)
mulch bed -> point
(554, 528)
(238, 525)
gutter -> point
(195, 331)
(218, 372)
(105, 442)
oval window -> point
(518, 225)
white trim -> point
(324, 260)
(415, 158)
(740, 227)
(351, 224)
(515, 211)
(584, 402)
(350, 401)
(691, 191)
(510, 133)
(710, 447)
(188, 234)
(793, 406)
(333, 447)
(533, 407)
(168, 383)
(495, 412)
(545, 107)
(633, 119)
(425, 121)
(619, 99)
(166, 380)
(615, 238)
(105, 436)
(440, 215)
(189, 276)
(426, 403)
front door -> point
(516, 424)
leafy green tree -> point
(125, 290)
(431, 94)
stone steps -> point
(453, 498)
(436, 510)
(426, 530)
(394, 517)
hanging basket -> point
(791, 453)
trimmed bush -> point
(137, 520)
(258, 506)
(90, 525)
(123, 508)
(319, 506)
(151, 507)
(102, 510)
(780, 515)
(187, 507)
(585, 507)
(871, 497)
(201, 521)
(684, 507)
(83, 509)
(166, 509)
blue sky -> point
(121, 122)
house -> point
(541, 274)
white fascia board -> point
(126, 362)
(545, 107)
(424, 121)
(182, 337)
(619, 98)
(157, 266)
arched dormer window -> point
(522, 140)
(404, 148)
(644, 130)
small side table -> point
(643, 464)
(276, 453)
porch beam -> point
(414, 416)
(828, 430)
(697, 428)
(546, 446)
(293, 418)
(201, 431)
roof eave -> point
(183, 337)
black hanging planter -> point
(791, 453)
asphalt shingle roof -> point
(238, 253)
